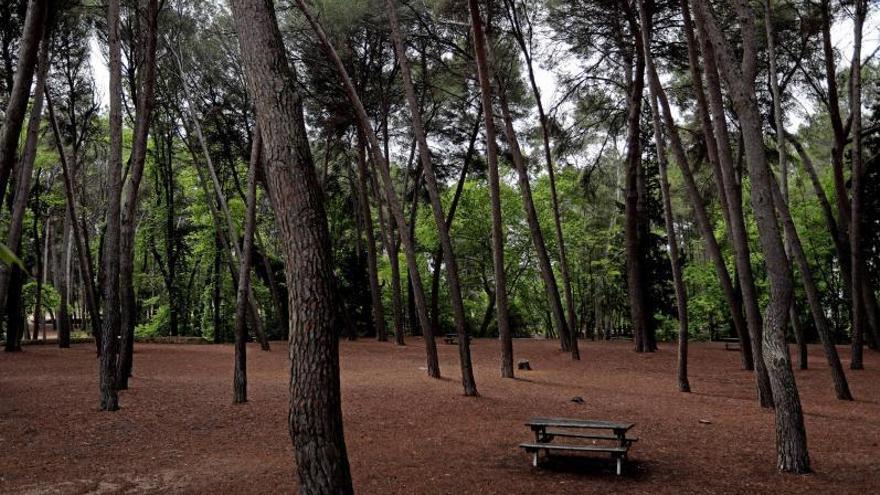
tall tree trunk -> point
(143, 113)
(714, 126)
(239, 382)
(464, 350)
(110, 253)
(669, 221)
(372, 261)
(32, 32)
(551, 174)
(26, 167)
(433, 364)
(791, 436)
(855, 224)
(82, 244)
(634, 270)
(484, 77)
(315, 404)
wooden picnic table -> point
(547, 429)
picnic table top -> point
(579, 423)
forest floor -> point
(178, 432)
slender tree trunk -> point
(315, 404)
(464, 350)
(239, 382)
(791, 436)
(779, 122)
(841, 387)
(232, 231)
(216, 316)
(32, 32)
(855, 224)
(143, 113)
(433, 364)
(110, 254)
(714, 128)
(372, 261)
(26, 168)
(671, 238)
(450, 216)
(551, 174)
(83, 254)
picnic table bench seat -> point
(452, 338)
(547, 429)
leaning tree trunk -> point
(464, 349)
(433, 364)
(501, 307)
(779, 122)
(232, 232)
(143, 113)
(550, 285)
(315, 404)
(26, 168)
(110, 254)
(791, 436)
(714, 126)
(841, 386)
(32, 33)
(671, 238)
(239, 381)
(83, 256)
(551, 173)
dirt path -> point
(178, 431)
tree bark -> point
(841, 387)
(232, 231)
(855, 224)
(791, 436)
(82, 245)
(315, 404)
(239, 382)
(464, 350)
(110, 254)
(551, 174)
(32, 33)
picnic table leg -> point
(619, 461)
(535, 458)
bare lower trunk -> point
(26, 168)
(130, 198)
(110, 253)
(855, 224)
(315, 418)
(239, 382)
